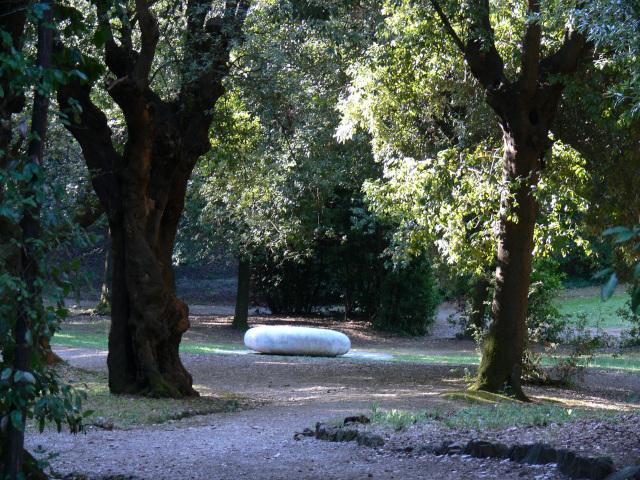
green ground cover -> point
(596, 312)
(495, 416)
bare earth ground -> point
(288, 394)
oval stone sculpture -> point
(287, 340)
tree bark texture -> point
(241, 317)
(142, 187)
(525, 108)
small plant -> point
(631, 337)
(400, 420)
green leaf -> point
(6, 373)
(29, 378)
(609, 287)
(624, 236)
(636, 273)
(602, 273)
(615, 230)
(16, 420)
(635, 301)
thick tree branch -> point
(481, 53)
(212, 41)
(149, 37)
(530, 65)
(92, 132)
(567, 58)
(447, 25)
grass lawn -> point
(587, 302)
(627, 363)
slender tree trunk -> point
(30, 224)
(241, 317)
(104, 305)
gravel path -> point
(293, 393)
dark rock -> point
(584, 467)
(500, 450)
(468, 447)
(323, 431)
(307, 432)
(518, 452)
(335, 434)
(567, 463)
(455, 448)
(426, 450)
(370, 440)
(443, 448)
(481, 449)
(601, 468)
(629, 473)
(573, 465)
(357, 419)
(408, 449)
(540, 454)
(346, 434)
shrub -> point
(409, 299)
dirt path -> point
(293, 393)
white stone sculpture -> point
(287, 340)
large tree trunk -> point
(142, 189)
(525, 108)
(501, 366)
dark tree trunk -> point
(12, 21)
(525, 109)
(104, 305)
(501, 366)
(142, 189)
(30, 225)
(241, 317)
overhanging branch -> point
(447, 25)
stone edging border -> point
(567, 461)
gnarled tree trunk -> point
(143, 188)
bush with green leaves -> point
(409, 299)
(38, 393)
(545, 323)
